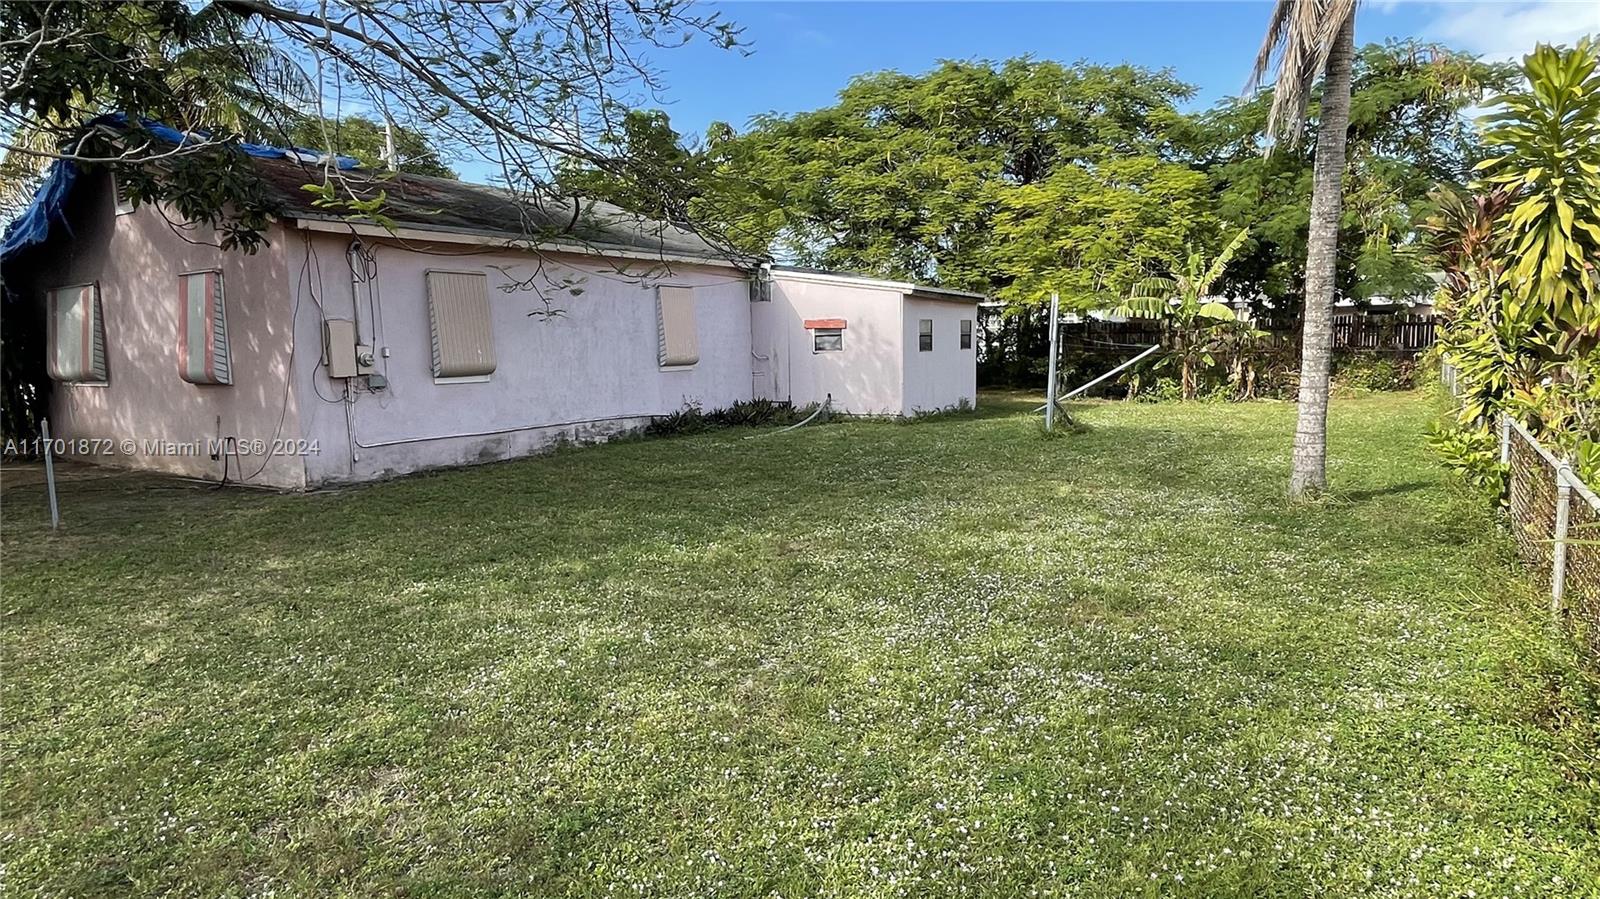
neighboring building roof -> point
(922, 291)
(1379, 302)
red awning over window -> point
(814, 323)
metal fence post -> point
(1558, 565)
(1505, 438)
(50, 474)
(1055, 337)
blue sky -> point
(804, 52)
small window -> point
(203, 330)
(678, 344)
(827, 340)
(925, 335)
(463, 339)
(966, 333)
(119, 189)
(77, 335)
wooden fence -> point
(1407, 335)
(1013, 348)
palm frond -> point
(1302, 34)
(1277, 26)
(239, 52)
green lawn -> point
(951, 657)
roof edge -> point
(505, 240)
(906, 287)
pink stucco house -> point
(345, 352)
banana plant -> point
(1182, 300)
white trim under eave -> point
(506, 241)
(904, 287)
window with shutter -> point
(203, 330)
(678, 342)
(463, 338)
(119, 189)
(77, 335)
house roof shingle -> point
(441, 204)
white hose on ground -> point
(826, 403)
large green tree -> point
(676, 179)
(1090, 233)
(363, 138)
(905, 174)
(1407, 135)
(990, 177)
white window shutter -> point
(203, 356)
(679, 344)
(77, 335)
(463, 336)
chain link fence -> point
(1555, 519)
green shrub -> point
(691, 419)
(1270, 372)
(1374, 371)
(962, 408)
(1473, 453)
(1519, 284)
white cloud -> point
(1508, 30)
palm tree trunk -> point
(1309, 474)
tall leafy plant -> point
(1522, 291)
(1183, 299)
(1550, 134)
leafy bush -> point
(961, 408)
(1521, 295)
(1269, 372)
(1156, 390)
(691, 419)
(1474, 454)
(1374, 371)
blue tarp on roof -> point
(33, 225)
(49, 202)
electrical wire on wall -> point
(309, 288)
(375, 292)
(350, 424)
(288, 371)
(364, 268)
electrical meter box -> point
(339, 347)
